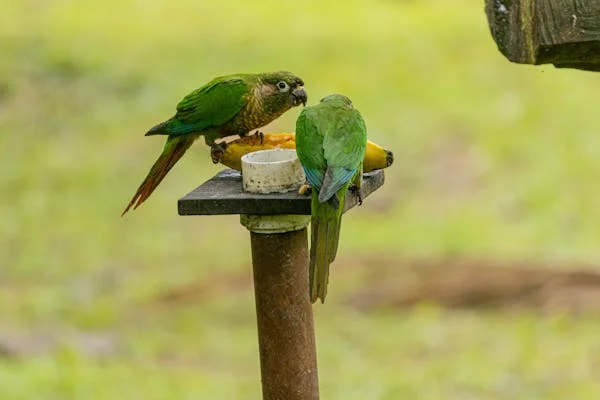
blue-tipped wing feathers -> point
(335, 178)
(314, 177)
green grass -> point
(492, 159)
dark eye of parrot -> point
(283, 86)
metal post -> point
(286, 333)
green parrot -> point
(331, 139)
(226, 106)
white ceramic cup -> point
(272, 171)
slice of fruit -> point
(230, 154)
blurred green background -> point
(494, 161)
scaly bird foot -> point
(305, 189)
(356, 191)
(217, 152)
(260, 135)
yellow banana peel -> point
(230, 153)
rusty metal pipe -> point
(286, 334)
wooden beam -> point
(565, 33)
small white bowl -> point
(272, 171)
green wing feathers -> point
(208, 107)
(214, 103)
(345, 143)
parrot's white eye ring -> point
(283, 86)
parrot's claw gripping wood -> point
(355, 189)
(260, 135)
(217, 151)
(305, 189)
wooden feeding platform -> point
(223, 195)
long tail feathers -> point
(175, 147)
(325, 231)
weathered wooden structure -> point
(565, 33)
(286, 335)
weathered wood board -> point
(223, 194)
(565, 33)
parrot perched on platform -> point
(331, 139)
(226, 106)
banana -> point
(376, 157)
(230, 153)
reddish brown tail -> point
(175, 147)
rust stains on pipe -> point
(286, 334)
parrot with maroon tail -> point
(331, 139)
(226, 106)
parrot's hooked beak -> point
(299, 96)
